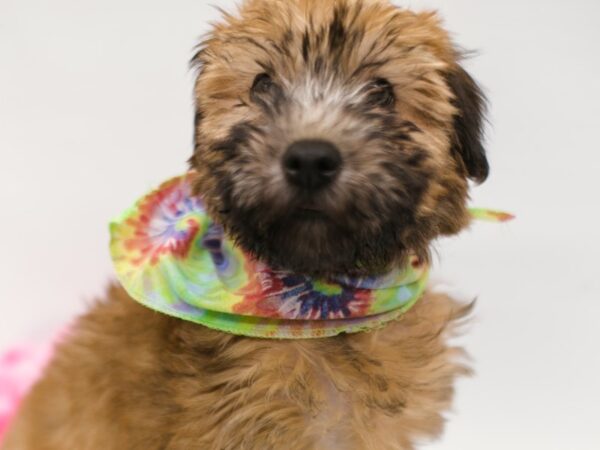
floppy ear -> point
(467, 143)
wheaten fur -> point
(384, 85)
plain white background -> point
(96, 107)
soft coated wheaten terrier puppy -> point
(332, 137)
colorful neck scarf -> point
(171, 257)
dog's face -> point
(335, 136)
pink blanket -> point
(20, 368)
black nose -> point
(311, 164)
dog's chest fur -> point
(132, 378)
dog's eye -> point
(263, 83)
(381, 93)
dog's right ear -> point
(467, 142)
(198, 118)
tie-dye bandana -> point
(171, 257)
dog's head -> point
(335, 136)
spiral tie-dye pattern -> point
(171, 257)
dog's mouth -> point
(311, 236)
(309, 211)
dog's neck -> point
(172, 257)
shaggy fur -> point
(383, 85)
(129, 378)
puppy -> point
(384, 130)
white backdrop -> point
(96, 107)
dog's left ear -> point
(467, 142)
